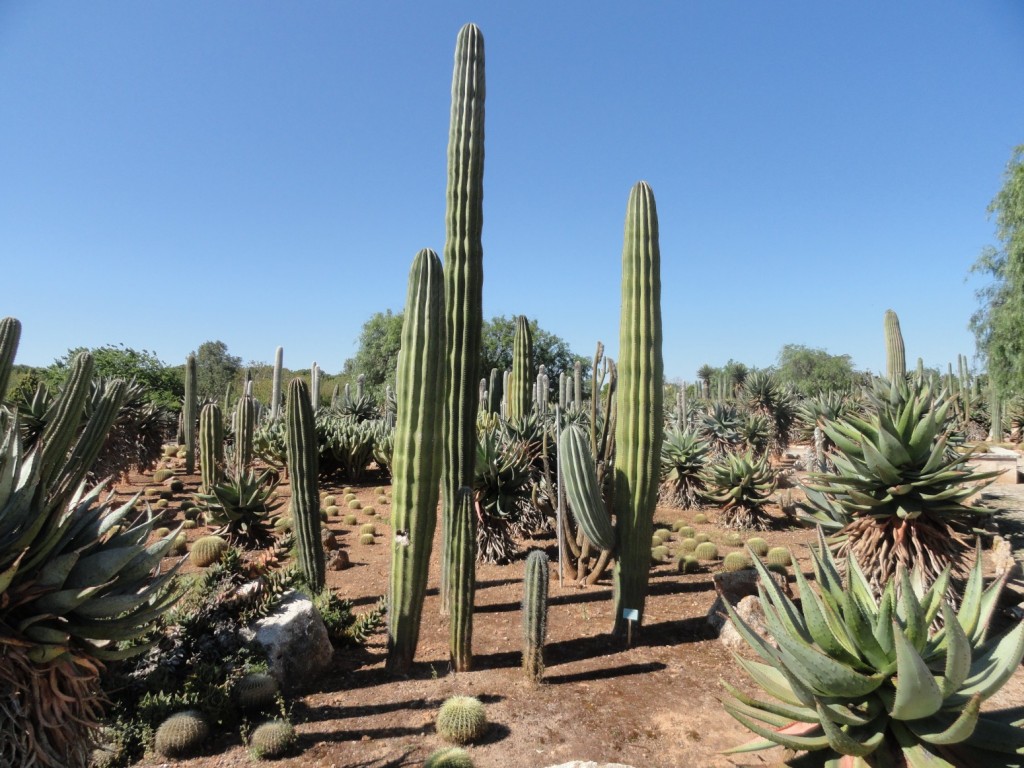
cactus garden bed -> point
(654, 705)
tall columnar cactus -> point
(245, 427)
(10, 334)
(639, 429)
(189, 414)
(464, 276)
(211, 446)
(494, 391)
(577, 384)
(303, 469)
(535, 613)
(275, 393)
(416, 466)
(895, 356)
(521, 381)
(461, 578)
(314, 386)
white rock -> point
(589, 764)
(295, 640)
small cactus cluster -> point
(182, 734)
(461, 720)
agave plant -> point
(765, 395)
(502, 491)
(684, 459)
(743, 484)
(871, 682)
(77, 583)
(755, 432)
(901, 489)
(241, 508)
(720, 428)
(136, 438)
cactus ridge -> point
(521, 381)
(535, 613)
(303, 465)
(211, 446)
(189, 414)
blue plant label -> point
(631, 614)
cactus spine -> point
(245, 426)
(302, 468)
(535, 614)
(188, 414)
(275, 393)
(464, 276)
(211, 445)
(895, 356)
(10, 334)
(416, 467)
(521, 381)
(639, 428)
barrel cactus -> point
(207, 550)
(182, 734)
(255, 690)
(706, 551)
(272, 739)
(871, 681)
(449, 757)
(736, 561)
(461, 720)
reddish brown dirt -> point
(654, 705)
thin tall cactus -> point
(10, 334)
(275, 392)
(639, 429)
(416, 467)
(895, 355)
(211, 446)
(521, 381)
(535, 613)
(189, 414)
(464, 275)
(303, 469)
(245, 428)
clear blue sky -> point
(263, 172)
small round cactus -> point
(370, 511)
(655, 540)
(180, 544)
(733, 539)
(162, 474)
(350, 519)
(161, 532)
(272, 739)
(152, 491)
(449, 757)
(380, 490)
(382, 499)
(659, 554)
(189, 525)
(663, 534)
(678, 524)
(355, 504)
(327, 501)
(367, 538)
(161, 504)
(284, 524)
(182, 734)
(736, 561)
(176, 486)
(332, 510)
(706, 551)
(779, 556)
(207, 550)
(255, 690)
(687, 564)
(347, 491)
(700, 517)
(688, 545)
(461, 720)
(369, 528)
(349, 496)
(686, 531)
(700, 538)
(758, 546)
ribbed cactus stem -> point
(461, 579)
(521, 381)
(10, 334)
(211, 445)
(416, 467)
(563, 390)
(245, 427)
(314, 386)
(494, 391)
(895, 356)
(302, 469)
(275, 393)
(90, 442)
(639, 427)
(464, 275)
(577, 384)
(579, 475)
(190, 413)
(535, 613)
(360, 386)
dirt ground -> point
(653, 705)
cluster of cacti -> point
(535, 613)
(182, 734)
(461, 720)
(463, 274)
(302, 466)
(272, 739)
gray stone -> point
(749, 609)
(295, 640)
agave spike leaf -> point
(766, 716)
(824, 627)
(781, 737)
(845, 744)
(883, 621)
(934, 598)
(958, 653)
(54, 574)
(861, 629)
(915, 753)
(917, 692)
(992, 667)
(764, 649)
(786, 713)
(948, 730)
(102, 566)
(993, 734)
(910, 612)
(893, 450)
(775, 682)
(788, 612)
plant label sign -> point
(631, 614)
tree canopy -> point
(377, 356)
(215, 369)
(811, 370)
(998, 325)
(165, 385)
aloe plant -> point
(871, 682)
